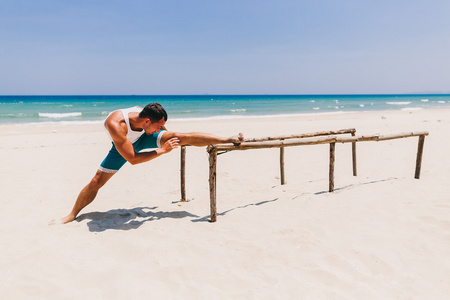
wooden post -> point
(283, 180)
(183, 173)
(354, 156)
(419, 156)
(212, 182)
(331, 175)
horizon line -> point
(171, 95)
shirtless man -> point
(132, 130)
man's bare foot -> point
(64, 220)
(237, 140)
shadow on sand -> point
(359, 184)
(126, 219)
(207, 218)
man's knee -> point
(171, 134)
(98, 180)
(181, 136)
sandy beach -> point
(379, 235)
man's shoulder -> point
(115, 123)
(116, 115)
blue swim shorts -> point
(114, 161)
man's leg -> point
(87, 194)
(200, 139)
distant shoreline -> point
(261, 118)
(63, 110)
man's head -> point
(156, 116)
(154, 111)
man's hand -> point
(170, 145)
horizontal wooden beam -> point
(379, 137)
(315, 141)
(303, 135)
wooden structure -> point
(278, 138)
(330, 137)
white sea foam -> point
(399, 103)
(261, 116)
(46, 103)
(411, 108)
(361, 105)
(316, 108)
(441, 102)
(54, 123)
(237, 110)
(424, 100)
(12, 103)
(17, 115)
(59, 115)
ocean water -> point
(93, 109)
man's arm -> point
(118, 131)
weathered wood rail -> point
(265, 139)
(301, 140)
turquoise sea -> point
(90, 109)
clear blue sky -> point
(224, 47)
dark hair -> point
(154, 111)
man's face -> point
(154, 127)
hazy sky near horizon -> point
(224, 47)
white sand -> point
(380, 235)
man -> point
(132, 130)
